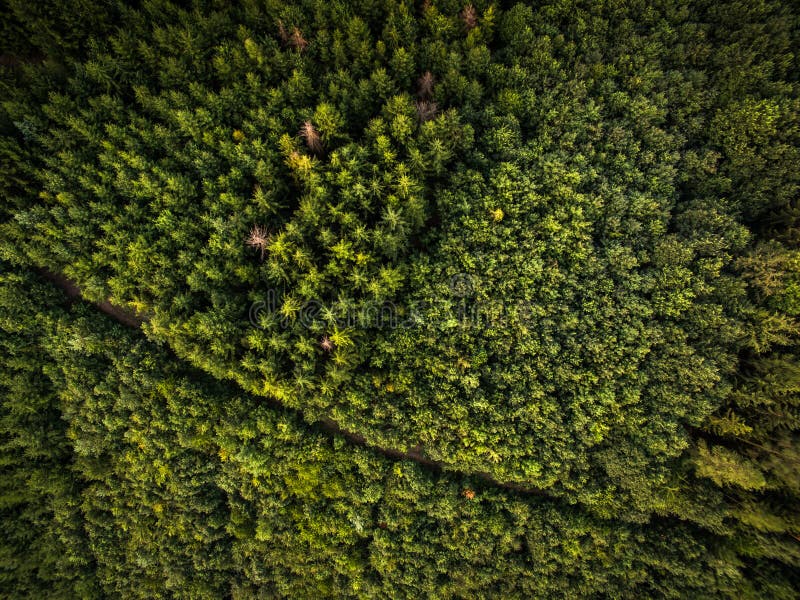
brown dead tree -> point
(297, 41)
(310, 134)
(425, 85)
(259, 238)
(470, 17)
(426, 110)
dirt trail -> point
(328, 425)
(73, 291)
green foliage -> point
(547, 249)
(176, 485)
(44, 547)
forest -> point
(399, 299)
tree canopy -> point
(436, 299)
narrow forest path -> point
(329, 426)
(73, 291)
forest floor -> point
(73, 291)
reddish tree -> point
(470, 17)
(310, 134)
(426, 110)
(297, 41)
(282, 33)
(259, 238)
(425, 85)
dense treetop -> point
(551, 247)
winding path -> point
(328, 425)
